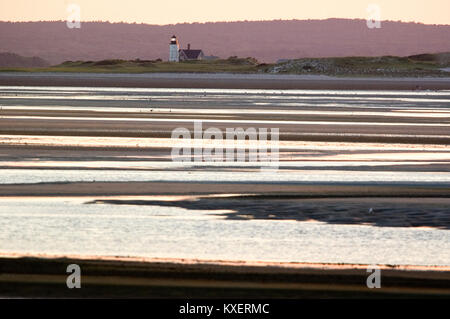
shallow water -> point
(69, 226)
(25, 176)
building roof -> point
(191, 54)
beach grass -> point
(418, 65)
(232, 65)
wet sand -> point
(347, 134)
(222, 81)
(45, 276)
(369, 133)
(180, 188)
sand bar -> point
(222, 81)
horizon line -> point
(231, 21)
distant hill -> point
(267, 41)
(8, 59)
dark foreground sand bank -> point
(222, 81)
(45, 276)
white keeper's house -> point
(176, 54)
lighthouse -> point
(174, 53)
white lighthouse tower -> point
(174, 53)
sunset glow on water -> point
(291, 229)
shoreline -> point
(222, 81)
(221, 262)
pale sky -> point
(178, 11)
